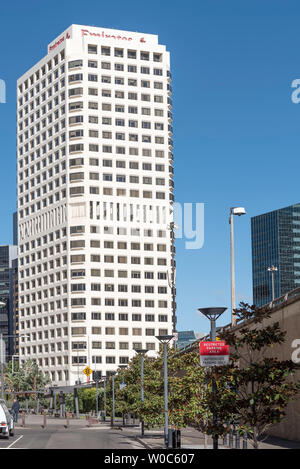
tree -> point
(192, 401)
(128, 399)
(28, 377)
(260, 384)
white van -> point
(6, 421)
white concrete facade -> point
(95, 196)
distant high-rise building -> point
(186, 338)
(275, 242)
(95, 195)
(8, 254)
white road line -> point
(14, 442)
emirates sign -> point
(214, 353)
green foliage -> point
(253, 390)
(28, 377)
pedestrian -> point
(15, 409)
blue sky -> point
(236, 130)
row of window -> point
(79, 302)
(121, 317)
(118, 52)
(135, 331)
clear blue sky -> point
(236, 130)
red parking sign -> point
(214, 353)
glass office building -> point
(275, 242)
(8, 254)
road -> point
(56, 436)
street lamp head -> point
(238, 211)
(272, 269)
(212, 313)
(141, 351)
(164, 339)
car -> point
(7, 427)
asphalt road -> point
(58, 437)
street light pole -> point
(273, 269)
(165, 339)
(113, 399)
(104, 397)
(123, 367)
(142, 353)
(172, 279)
(213, 314)
(233, 211)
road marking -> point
(15, 442)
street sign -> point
(214, 353)
(96, 376)
(87, 371)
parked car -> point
(7, 428)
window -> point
(92, 49)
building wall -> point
(288, 316)
(95, 194)
(8, 254)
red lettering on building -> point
(86, 32)
(57, 43)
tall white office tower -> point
(95, 197)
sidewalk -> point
(154, 438)
(192, 439)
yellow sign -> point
(87, 371)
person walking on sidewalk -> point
(15, 410)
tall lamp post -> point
(172, 278)
(165, 339)
(213, 314)
(273, 269)
(233, 211)
(123, 367)
(104, 397)
(142, 353)
(113, 373)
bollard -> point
(68, 419)
(170, 438)
(23, 419)
(231, 439)
(44, 420)
(245, 440)
(237, 440)
(176, 439)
